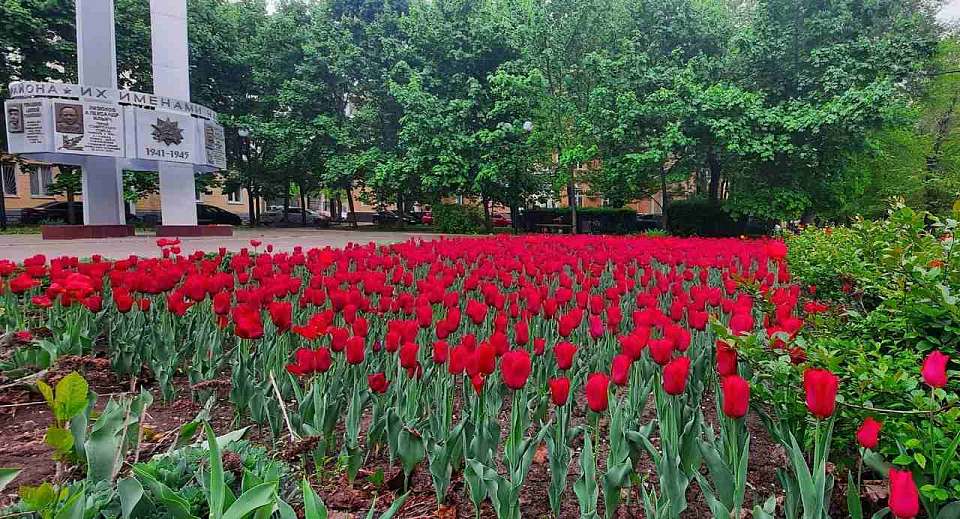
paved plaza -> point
(19, 246)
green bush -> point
(701, 217)
(890, 289)
(457, 219)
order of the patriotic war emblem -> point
(167, 131)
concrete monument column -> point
(102, 177)
(171, 78)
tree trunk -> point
(943, 131)
(400, 210)
(303, 206)
(3, 207)
(664, 199)
(286, 203)
(351, 210)
(514, 217)
(250, 206)
(572, 202)
(713, 164)
(487, 222)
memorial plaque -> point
(166, 136)
(14, 117)
(89, 128)
(213, 145)
(28, 126)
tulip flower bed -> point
(466, 361)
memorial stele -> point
(106, 130)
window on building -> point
(40, 179)
(9, 179)
(234, 196)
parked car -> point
(213, 215)
(391, 217)
(649, 222)
(56, 212)
(274, 216)
(501, 220)
(427, 218)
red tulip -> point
(281, 313)
(539, 346)
(934, 369)
(821, 388)
(597, 392)
(22, 283)
(378, 382)
(485, 358)
(123, 301)
(559, 390)
(563, 352)
(355, 349)
(726, 359)
(620, 369)
(408, 354)
(675, 375)
(477, 382)
(741, 323)
(736, 396)
(868, 435)
(515, 368)
(521, 333)
(440, 352)
(661, 350)
(904, 500)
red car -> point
(501, 220)
(427, 218)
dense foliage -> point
(774, 109)
(884, 293)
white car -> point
(274, 216)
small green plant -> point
(69, 399)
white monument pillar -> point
(171, 78)
(102, 177)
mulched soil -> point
(24, 418)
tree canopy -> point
(777, 109)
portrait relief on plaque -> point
(15, 118)
(69, 118)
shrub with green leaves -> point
(458, 219)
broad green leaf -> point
(950, 511)
(258, 496)
(313, 507)
(7, 476)
(178, 507)
(46, 391)
(854, 507)
(74, 507)
(70, 397)
(39, 497)
(131, 491)
(60, 439)
(215, 499)
(395, 507)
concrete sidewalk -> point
(17, 247)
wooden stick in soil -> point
(283, 408)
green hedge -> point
(700, 217)
(457, 219)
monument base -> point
(80, 232)
(189, 231)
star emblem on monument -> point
(167, 131)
